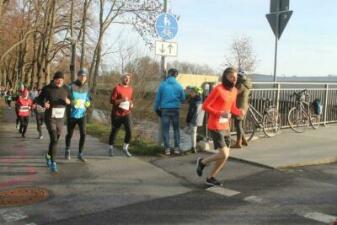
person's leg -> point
(38, 123)
(115, 125)
(71, 124)
(219, 164)
(165, 124)
(176, 130)
(20, 118)
(25, 125)
(127, 138)
(237, 124)
(221, 143)
(82, 123)
(52, 131)
(194, 130)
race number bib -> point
(225, 119)
(57, 113)
(125, 105)
(40, 109)
(79, 104)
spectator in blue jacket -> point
(169, 97)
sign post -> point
(278, 19)
(166, 28)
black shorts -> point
(220, 140)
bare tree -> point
(191, 68)
(137, 13)
(241, 54)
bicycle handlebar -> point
(299, 94)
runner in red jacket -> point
(24, 104)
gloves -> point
(87, 104)
(158, 112)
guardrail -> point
(279, 93)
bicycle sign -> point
(166, 26)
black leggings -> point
(239, 129)
(39, 121)
(54, 127)
(116, 123)
(24, 120)
(9, 103)
(81, 122)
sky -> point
(307, 47)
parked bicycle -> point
(303, 114)
(269, 121)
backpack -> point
(317, 106)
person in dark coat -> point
(243, 86)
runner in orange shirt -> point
(220, 104)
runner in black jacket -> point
(54, 98)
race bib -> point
(57, 113)
(223, 120)
(79, 104)
(40, 109)
(125, 105)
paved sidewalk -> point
(102, 183)
(290, 149)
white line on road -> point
(324, 218)
(223, 191)
(13, 215)
(31, 224)
(254, 199)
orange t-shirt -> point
(219, 101)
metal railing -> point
(280, 93)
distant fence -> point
(279, 94)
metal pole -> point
(73, 43)
(163, 59)
(275, 58)
(326, 103)
(163, 76)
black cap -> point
(173, 72)
(58, 75)
(82, 72)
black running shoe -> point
(200, 166)
(213, 182)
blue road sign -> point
(166, 26)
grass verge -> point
(138, 146)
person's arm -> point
(114, 97)
(207, 105)
(235, 110)
(41, 97)
(88, 100)
(158, 99)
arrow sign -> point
(278, 21)
(165, 48)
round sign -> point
(166, 26)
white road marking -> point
(13, 215)
(31, 224)
(324, 218)
(254, 199)
(223, 191)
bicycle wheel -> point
(297, 121)
(271, 123)
(250, 126)
(314, 120)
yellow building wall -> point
(195, 80)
